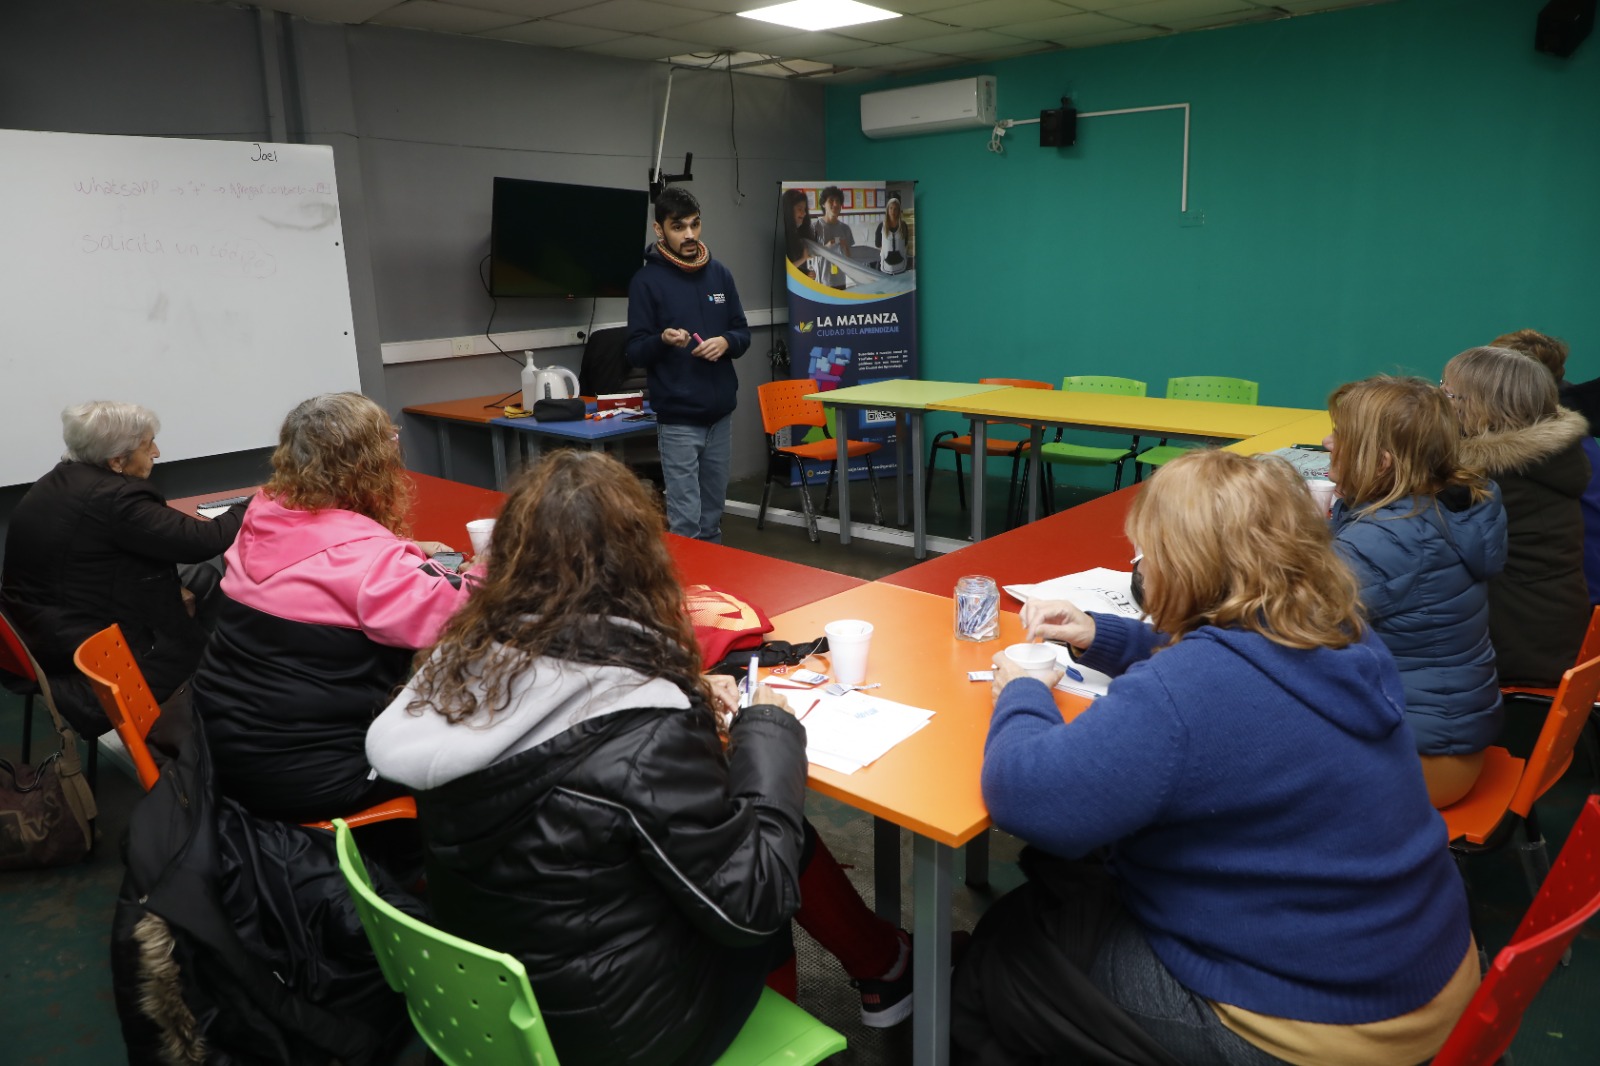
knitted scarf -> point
(690, 265)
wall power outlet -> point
(461, 346)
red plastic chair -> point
(784, 404)
(122, 690)
(1569, 897)
(19, 677)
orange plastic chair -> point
(121, 688)
(784, 404)
(1569, 897)
(992, 445)
(1502, 799)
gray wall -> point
(420, 123)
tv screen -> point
(551, 239)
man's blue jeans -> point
(694, 463)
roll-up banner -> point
(850, 256)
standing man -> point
(833, 232)
(685, 328)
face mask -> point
(1136, 587)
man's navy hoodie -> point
(683, 389)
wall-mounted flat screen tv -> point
(551, 239)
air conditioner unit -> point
(944, 105)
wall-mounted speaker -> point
(1059, 128)
(1563, 25)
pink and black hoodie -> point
(322, 613)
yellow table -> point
(1200, 420)
(1308, 430)
(908, 399)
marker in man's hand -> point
(697, 339)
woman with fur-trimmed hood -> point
(1514, 431)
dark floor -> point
(55, 991)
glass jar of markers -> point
(977, 608)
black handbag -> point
(46, 811)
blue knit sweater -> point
(1266, 816)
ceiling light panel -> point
(820, 14)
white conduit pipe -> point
(1183, 197)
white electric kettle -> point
(547, 383)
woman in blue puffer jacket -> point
(1423, 535)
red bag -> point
(723, 623)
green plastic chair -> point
(474, 1006)
(1088, 454)
(1214, 389)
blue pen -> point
(1074, 674)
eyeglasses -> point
(394, 435)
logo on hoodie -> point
(716, 298)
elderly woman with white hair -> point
(94, 542)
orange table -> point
(929, 783)
(1078, 538)
(472, 411)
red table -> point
(774, 585)
(441, 509)
(1066, 542)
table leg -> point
(842, 471)
(980, 468)
(497, 441)
(932, 865)
(900, 468)
(919, 494)
(886, 870)
(1035, 471)
(444, 449)
(977, 853)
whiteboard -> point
(203, 279)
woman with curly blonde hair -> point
(325, 602)
(1233, 860)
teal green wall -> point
(1382, 187)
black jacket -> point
(88, 547)
(235, 940)
(633, 868)
(1539, 605)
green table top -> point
(902, 393)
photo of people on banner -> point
(850, 258)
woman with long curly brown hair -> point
(1275, 884)
(583, 809)
(324, 604)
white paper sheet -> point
(1101, 589)
(845, 733)
(211, 512)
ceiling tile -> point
(640, 46)
(892, 31)
(530, 9)
(1021, 48)
(991, 13)
(880, 55)
(723, 7)
(916, 7)
(432, 15)
(1064, 28)
(1128, 33)
(352, 12)
(731, 31)
(965, 44)
(634, 16)
(1163, 12)
(553, 34)
(1230, 18)
(806, 45)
